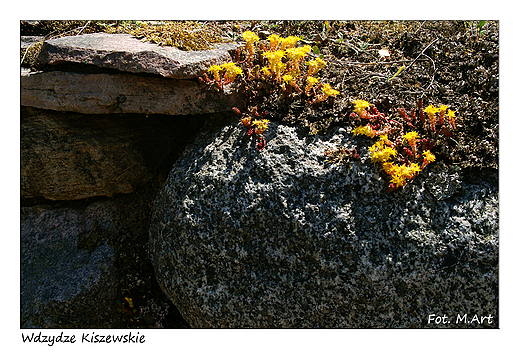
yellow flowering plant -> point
(289, 42)
(250, 39)
(326, 92)
(274, 41)
(230, 69)
(311, 82)
(231, 72)
(274, 66)
(404, 147)
(315, 65)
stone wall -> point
(144, 204)
(102, 123)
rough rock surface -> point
(126, 53)
(107, 93)
(281, 238)
(66, 156)
(80, 259)
(28, 40)
(64, 285)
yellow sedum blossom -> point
(232, 71)
(274, 56)
(365, 131)
(410, 137)
(360, 106)
(400, 173)
(276, 66)
(295, 56)
(265, 71)
(451, 117)
(451, 114)
(328, 91)
(215, 70)
(311, 82)
(410, 171)
(289, 79)
(431, 110)
(298, 54)
(398, 180)
(260, 125)
(428, 156)
(274, 41)
(315, 65)
(289, 42)
(250, 39)
(380, 153)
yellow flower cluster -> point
(295, 57)
(379, 152)
(260, 125)
(274, 40)
(400, 173)
(400, 156)
(315, 65)
(232, 71)
(230, 74)
(432, 111)
(289, 79)
(250, 39)
(360, 106)
(276, 66)
(326, 92)
(428, 158)
(215, 70)
(410, 137)
(289, 42)
(298, 54)
(311, 82)
(284, 65)
(451, 116)
(365, 131)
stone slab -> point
(126, 53)
(103, 93)
(68, 156)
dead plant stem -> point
(418, 56)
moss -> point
(186, 35)
(28, 55)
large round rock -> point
(281, 238)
